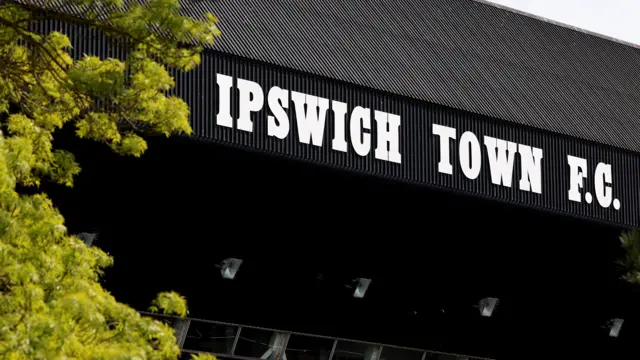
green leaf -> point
(52, 305)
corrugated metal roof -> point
(459, 53)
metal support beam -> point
(333, 349)
(277, 347)
(235, 341)
(373, 352)
(181, 327)
(231, 336)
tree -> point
(52, 305)
(630, 260)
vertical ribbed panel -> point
(419, 147)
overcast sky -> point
(619, 19)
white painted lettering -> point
(445, 134)
(501, 154)
(577, 173)
(388, 146)
(251, 100)
(310, 122)
(531, 166)
(602, 180)
(339, 141)
(470, 155)
(360, 139)
(278, 123)
(225, 83)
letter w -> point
(501, 154)
(310, 122)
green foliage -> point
(630, 261)
(52, 305)
(169, 303)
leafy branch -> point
(52, 305)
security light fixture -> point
(88, 238)
(614, 326)
(487, 306)
(229, 267)
(361, 286)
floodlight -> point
(361, 285)
(229, 267)
(88, 238)
(614, 326)
(487, 306)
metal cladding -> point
(418, 144)
(459, 53)
(419, 147)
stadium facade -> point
(447, 150)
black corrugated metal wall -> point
(418, 145)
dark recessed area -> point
(171, 216)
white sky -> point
(619, 19)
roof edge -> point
(557, 23)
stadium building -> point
(422, 178)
